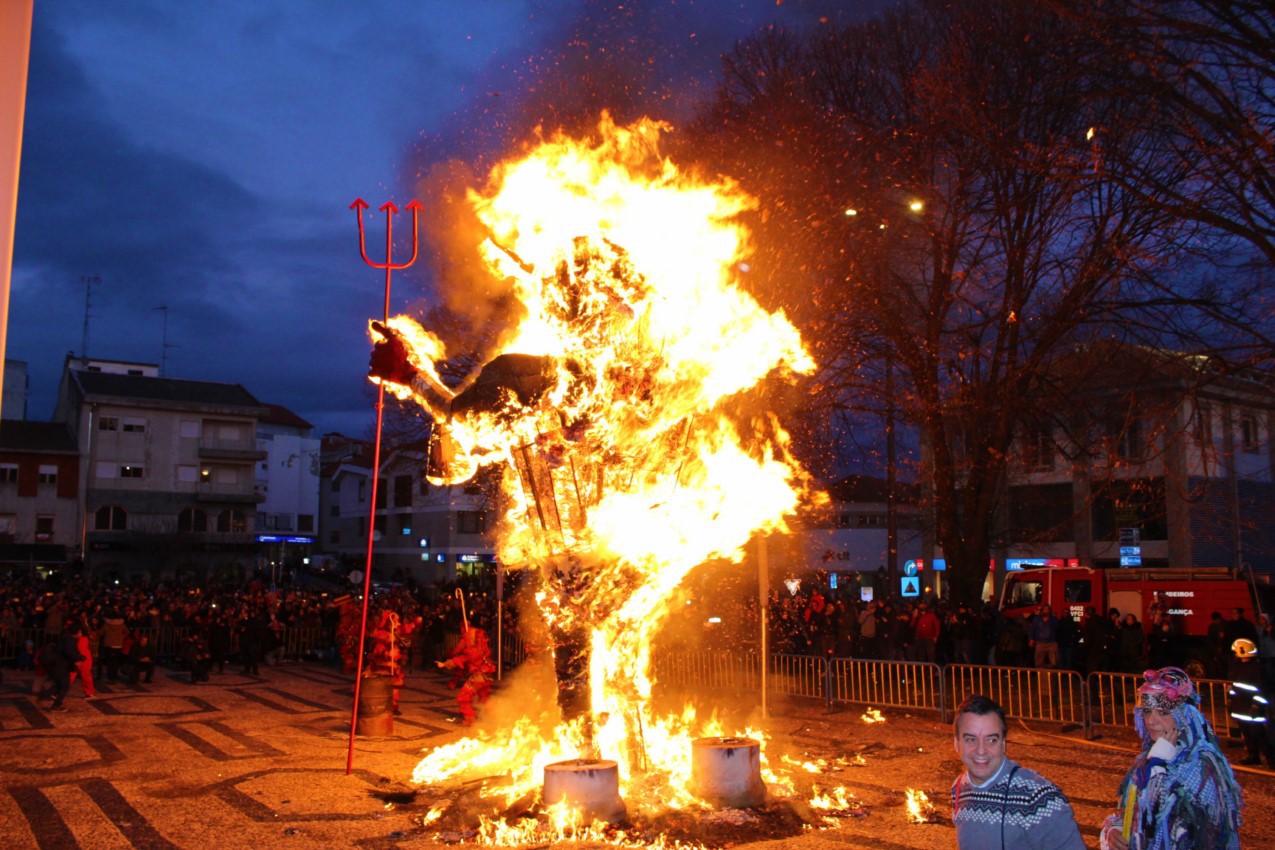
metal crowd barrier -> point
(897, 684)
(719, 670)
(1114, 696)
(798, 675)
(1057, 696)
(1033, 693)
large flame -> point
(628, 456)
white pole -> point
(763, 599)
(15, 50)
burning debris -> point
(614, 411)
(872, 715)
(920, 809)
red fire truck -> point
(1188, 595)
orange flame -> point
(627, 462)
(919, 806)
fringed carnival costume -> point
(1183, 796)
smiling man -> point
(998, 804)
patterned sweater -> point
(1018, 810)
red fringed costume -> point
(472, 666)
(347, 632)
(386, 656)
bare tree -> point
(1209, 67)
(933, 189)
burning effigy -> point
(623, 413)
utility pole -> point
(891, 479)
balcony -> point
(230, 450)
(242, 494)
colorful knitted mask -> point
(1167, 689)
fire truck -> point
(1188, 595)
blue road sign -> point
(911, 586)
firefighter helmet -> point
(1244, 648)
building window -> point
(1250, 434)
(469, 522)
(1204, 425)
(108, 423)
(110, 518)
(187, 474)
(8, 527)
(1130, 443)
(404, 524)
(231, 522)
(334, 537)
(335, 511)
(8, 472)
(192, 521)
(130, 470)
(335, 486)
(305, 522)
(190, 428)
(1038, 446)
(362, 491)
(133, 425)
(402, 491)
(48, 474)
(43, 528)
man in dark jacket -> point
(57, 658)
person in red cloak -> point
(472, 668)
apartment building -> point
(39, 495)
(287, 480)
(1157, 459)
(167, 470)
(422, 531)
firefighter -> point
(1248, 705)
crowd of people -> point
(92, 632)
(1180, 791)
(944, 632)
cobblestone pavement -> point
(260, 762)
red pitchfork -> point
(390, 267)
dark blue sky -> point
(202, 157)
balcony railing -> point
(231, 449)
(228, 493)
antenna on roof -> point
(164, 346)
(88, 280)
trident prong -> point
(390, 211)
(390, 267)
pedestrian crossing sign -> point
(911, 586)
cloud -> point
(202, 158)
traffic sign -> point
(911, 586)
(909, 568)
